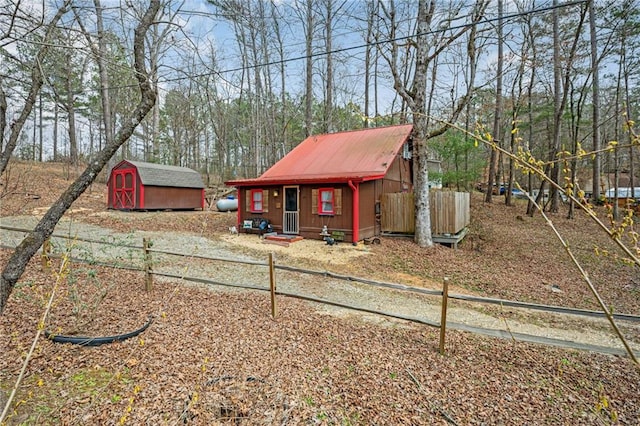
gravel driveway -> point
(586, 333)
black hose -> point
(95, 341)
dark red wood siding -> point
(165, 197)
(398, 179)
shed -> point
(331, 182)
(136, 185)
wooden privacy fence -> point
(398, 213)
(271, 266)
(449, 210)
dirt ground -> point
(217, 357)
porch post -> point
(356, 210)
(239, 211)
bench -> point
(337, 235)
(256, 225)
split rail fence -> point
(146, 265)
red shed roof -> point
(358, 155)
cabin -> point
(136, 185)
(329, 184)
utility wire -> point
(361, 46)
(377, 43)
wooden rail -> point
(381, 284)
(272, 266)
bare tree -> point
(427, 51)
(3, 113)
(333, 12)
(517, 101)
(559, 99)
(308, 105)
(17, 263)
(99, 52)
(595, 70)
(282, 147)
(37, 80)
(497, 117)
(561, 90)
(371, 35)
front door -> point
(124, 189)
(290, 221)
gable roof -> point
(152, 174)
(357, 155)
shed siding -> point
(175, 195)
(164, 197)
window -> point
(256, 200)
(326, 201)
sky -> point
(195, 31)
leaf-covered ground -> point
(216, 357)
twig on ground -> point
(444, 414)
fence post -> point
(148, 279)
(46, 250)
(443, 315)
(272, 285)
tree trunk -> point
(419, 89)
(530, 86)
(283, 147)
(517, 98)
(629, 119)
(328, 101)
(105, 91)
(415, 98)
(35, 138)
(558, 109)
(497, 117)
(55, 131)
(155, 118)
(16, 265)
(367, 63)
(308, 106)
(71, 111)
(616, 153)
(40, 129)
(3, 113)
(561, 88)
(595, 71)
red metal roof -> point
(357, 155)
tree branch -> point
(29, 246)
(36, 84)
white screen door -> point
(290, 222)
